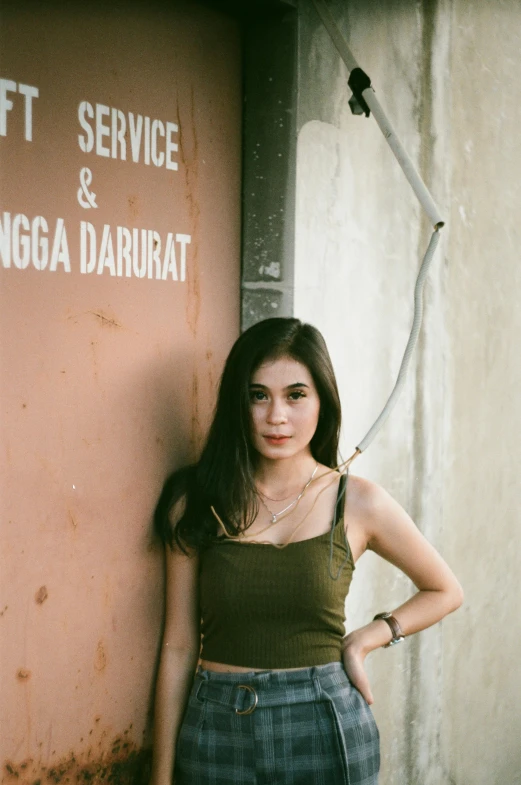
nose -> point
(277, 412)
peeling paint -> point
(273, 270)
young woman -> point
(262, 536)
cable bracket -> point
(358, 82)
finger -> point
(358, 678)
(361, 683)
(365, 691)
(368, 695)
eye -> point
(257, 395)
(296, 394)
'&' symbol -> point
(86, 198)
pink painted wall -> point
(106, 378)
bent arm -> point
(178, 660)
(390, 532)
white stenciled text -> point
(139, 253)
(24, 242)
(8, 97)
(111, 133)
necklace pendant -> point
(275, 515)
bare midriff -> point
(220, 667)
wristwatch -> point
(398, 635)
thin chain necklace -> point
(276, 515)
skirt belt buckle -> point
(250, 709)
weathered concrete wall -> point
(268, 232)
(446, 701)
(483, 300)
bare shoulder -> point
(382, 525)
(366, 496)
(369, 510)
(369, 502)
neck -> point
(277, 477)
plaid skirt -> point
(302, 727)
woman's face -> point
(284, 407)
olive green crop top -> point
(265, 607)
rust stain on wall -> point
(105, 319)
(123, 763)
(195, 422)
(94, 353)
(210, 370)
(189, 157)
(133, 207)
(41, 595)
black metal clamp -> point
(358, 82)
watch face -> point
(396, 640)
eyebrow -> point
(289, 387)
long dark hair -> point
(224, 475)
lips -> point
(276, 440)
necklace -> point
(276, 515)
(271, 499)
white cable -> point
(335, 35)
(411, 343)
(425, 199)
(403, 158)
(401, 155)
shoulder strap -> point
(340, 502)
(340, 497)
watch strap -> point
(394, 626)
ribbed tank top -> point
(265, 607)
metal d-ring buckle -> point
(251, 709)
